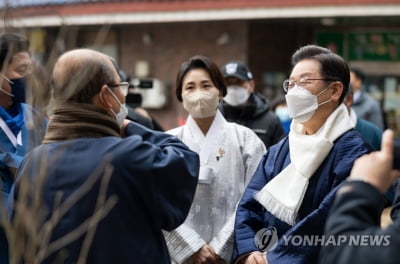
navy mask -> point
(18, 90)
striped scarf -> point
(71, 120)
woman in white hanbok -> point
(229, 155)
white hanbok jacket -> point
(229, 155)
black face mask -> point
(18, 90)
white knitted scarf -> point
(284, 194)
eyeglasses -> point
(289, 84)
(123, 86)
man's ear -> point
(337, 90)
(104, 97)
(251, 86)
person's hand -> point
(123, 127)
(376, 168)
(206, 255)
(255, 257)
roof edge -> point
(206, 15)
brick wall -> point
(171, 44)
(271, 45)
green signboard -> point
(363, 46)
(374, 46)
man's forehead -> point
(306, 67)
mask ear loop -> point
(323, 91)
(104, 101)
(116, 99)
(4, 91)
(327, 101)
(9, 81)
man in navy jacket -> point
(107, 186)
(285, 205)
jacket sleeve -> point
(354, 222)
(249, 214)
(183, 242)
(172, 179)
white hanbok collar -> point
(205, 144)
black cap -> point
(237, 69)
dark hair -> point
(332, 65)
(200, 62)
(11, 44)
(358, 73)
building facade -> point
(151, 38)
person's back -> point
(105, 189)
(367, 108)
(135, 208)
(364, 105)
(370, 132)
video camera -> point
(134, 99)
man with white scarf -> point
(293, 188)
